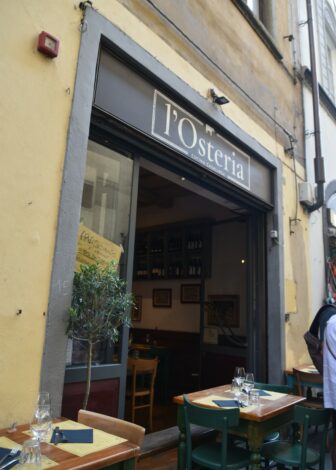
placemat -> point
(273, 395)
(101, 440)
(209, 401)
(9, 444)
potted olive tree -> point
(100, 305)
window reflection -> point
(105, 210)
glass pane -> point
(105, 210)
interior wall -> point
(228, 274)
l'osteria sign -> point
(132, 99)
(179, 129)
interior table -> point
(119, 456)
(256, 422)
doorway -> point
(193, 283)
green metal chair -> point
(274, 436)
(297, 453)
(274, 388)
(213, 455)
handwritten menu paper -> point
(92, 247)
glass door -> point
(106, 216)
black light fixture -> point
(218, 99)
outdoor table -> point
(274, 412)
(309, 368)
(121, 456)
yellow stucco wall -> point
(35, 109)
(36, 96)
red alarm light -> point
(48, 44)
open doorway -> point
(190, 283)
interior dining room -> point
(190, 287)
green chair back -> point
(297, 453)
(218, 419)
(312, 417)
(274, 388)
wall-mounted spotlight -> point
(218, 99)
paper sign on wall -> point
(92, 247)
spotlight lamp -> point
(218, 99)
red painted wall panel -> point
(103, 398)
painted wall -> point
(35, 107)
(228, 277)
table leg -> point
(181, 453)
(255, 442)
(125, 465)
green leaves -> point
(100, 304)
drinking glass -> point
(30, 457)
(41, 422)
(254, 397)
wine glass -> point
(41, 422)
(249, 382)
(43, 399)
(239, 375)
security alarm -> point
(48, 45)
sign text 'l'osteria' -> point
(179, 129)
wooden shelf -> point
(173, 251)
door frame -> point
(54, 354)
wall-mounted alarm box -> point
(48, 44)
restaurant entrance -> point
(190, 209)
(193, 283)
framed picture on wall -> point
(137, 308)
(162, 298)
(223, 310)
(190, 293)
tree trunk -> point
(88, 376)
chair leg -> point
(133, 410)
(150, 415)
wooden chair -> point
(302, 378)
(130, 431)
(213, 454)
(141, 391)
(297, 454)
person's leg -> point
(333, 445)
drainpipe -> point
(318, 160)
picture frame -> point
(137, 308)
(162, 298)
(190, 293)
(210, 335)
(223, 310)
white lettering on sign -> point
(182, 131)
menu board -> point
(92, 247)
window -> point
(105, 210)
(263, 10)
(254, 6)
(330, 65)
(327, 40)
